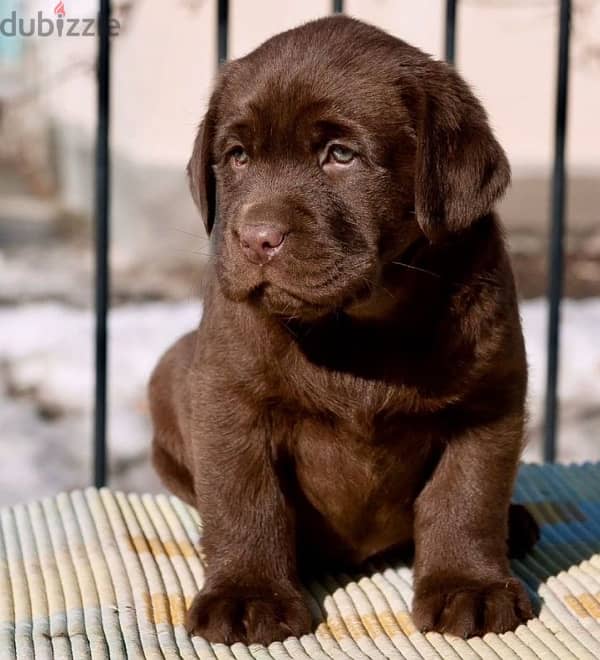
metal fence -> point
(102, 213)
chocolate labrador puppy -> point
(357, 382)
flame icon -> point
(59, 10)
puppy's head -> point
(331, 149)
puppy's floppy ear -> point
(461, 170)
(200, 173)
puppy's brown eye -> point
(239, 157)
(341, 154)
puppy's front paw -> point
(251, 615)
(466, 608)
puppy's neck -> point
(405, 281)
(380, 307)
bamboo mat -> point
(100, 574)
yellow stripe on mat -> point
(96, 574)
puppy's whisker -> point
(285, 322)
(421, 270)
(202, 254)
(189, 233)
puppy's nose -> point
(260, 243)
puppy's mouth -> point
(277, 301)
(300, 295)
(286, 303)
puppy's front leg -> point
(463, 584)
(251, 593)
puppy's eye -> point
(340, 154)
(239, 157)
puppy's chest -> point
(358, 486)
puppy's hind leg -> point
(175, 476)
(523, 531)
(170, 409)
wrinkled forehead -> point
(281, 106)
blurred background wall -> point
(163, 65)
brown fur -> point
(363, 388)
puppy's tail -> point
(523, 531)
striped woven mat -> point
(98, 574)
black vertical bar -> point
(338, 6)
(102, 243)
(556, 253)
(223, 30)
(450, 37)
(222, 50)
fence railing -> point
(102, 243)
(102, 214)
(556, 253)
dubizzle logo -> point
(59, 10)
(59, 26)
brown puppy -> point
(357, 382)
